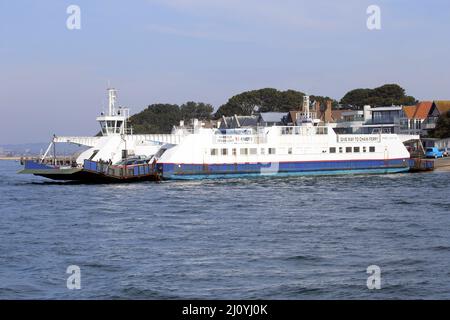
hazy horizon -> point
(54, 80)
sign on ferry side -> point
(351, 138)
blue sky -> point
(53, 80)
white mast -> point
(306, 106)
(115, 122)
(112, 97)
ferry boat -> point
(191, 152)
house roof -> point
(247, 121)
(292, 116)
(418, 111)
(410, 111)
(442, 105)
(272, 116)
(242, 121)
(423, 109)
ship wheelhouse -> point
(115, 122)
(112, 125)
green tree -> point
(442, 129)
(157, 118)
(356, 97)
(265, 100)
(386, 95)
(289, 100)
(248, 102)
(197, 110)
(228, 110)
(160, 117)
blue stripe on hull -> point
(198, 171)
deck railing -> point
(119, 171)
(304, 130)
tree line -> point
(266, 100)
(160, 118)
(386, 95)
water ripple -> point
(275, 238)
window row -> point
(254, 151)
(351, 149)
(242, 151)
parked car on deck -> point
(433, 153)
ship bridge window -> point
(371, 149)
(110, 124)
(224, 152)
(244, 151)
(356, 149)
(272, 150)
(253, 151)
(340, 150)
(233, 151)
(289, 150)
(103, 126)
(364, 149)
(214, 152)
(119, 124)
(263, 151)
(348, 149)
(286, 130)
(321, 130)
(332, 150)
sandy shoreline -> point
(442, 163)
(9, 158)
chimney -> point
(328, 114)
(317, 109)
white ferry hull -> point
(207, 171)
